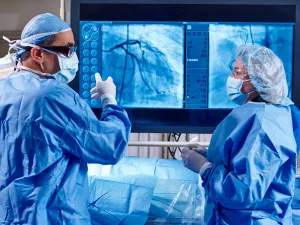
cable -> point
(176, 137)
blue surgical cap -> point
(43, 24)
(37, 30)
(266, 72)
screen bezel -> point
(187, 120)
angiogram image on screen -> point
(146, 62)
(224, 39)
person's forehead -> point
(64, 38)
(238, 63)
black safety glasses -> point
(67, 51)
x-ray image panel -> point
(223, 43)
(146, 62)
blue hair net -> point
(266, 72)
(37, 30)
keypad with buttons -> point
(90, 60)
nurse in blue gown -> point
(249, 169)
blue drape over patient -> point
(120, 200)
(254, 155)
(48, 134)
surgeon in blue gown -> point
(48, 134)
(249, 169)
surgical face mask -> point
(234, 92)
(68, 67)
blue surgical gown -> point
(296, 125)
(253, 152)
(48, 134)
(296, 201)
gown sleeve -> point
(296, 124)
(71, 124)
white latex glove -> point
(194, 161)
(104, 90)
(197, 147)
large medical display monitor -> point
(183, 65)
(170, 63)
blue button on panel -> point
(94, 69)
(94, 44)
(86, 37)
(86, 53)
(94, 53)
(86, 69)
(94, 102)
(94, 61)
(93, 85)
(86, 61)
(86, 77)
(86, 94)
(93, 78)
(86, 86)
(86, 44)
(95, 28)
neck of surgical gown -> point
(253, 152)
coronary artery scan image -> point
(223, 43)
(146, 62)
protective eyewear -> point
(66, 51)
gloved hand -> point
(199, 149)
(194, 161)
(104, 90)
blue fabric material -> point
(160, 168)
(120, 199)
(176, 191)
(48, 134)
(296, 124)
(296, 217)
(296, 200)
(254, 155)
(38, 29)
(43, 24)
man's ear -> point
(37, 55)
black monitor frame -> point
(187, 120)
